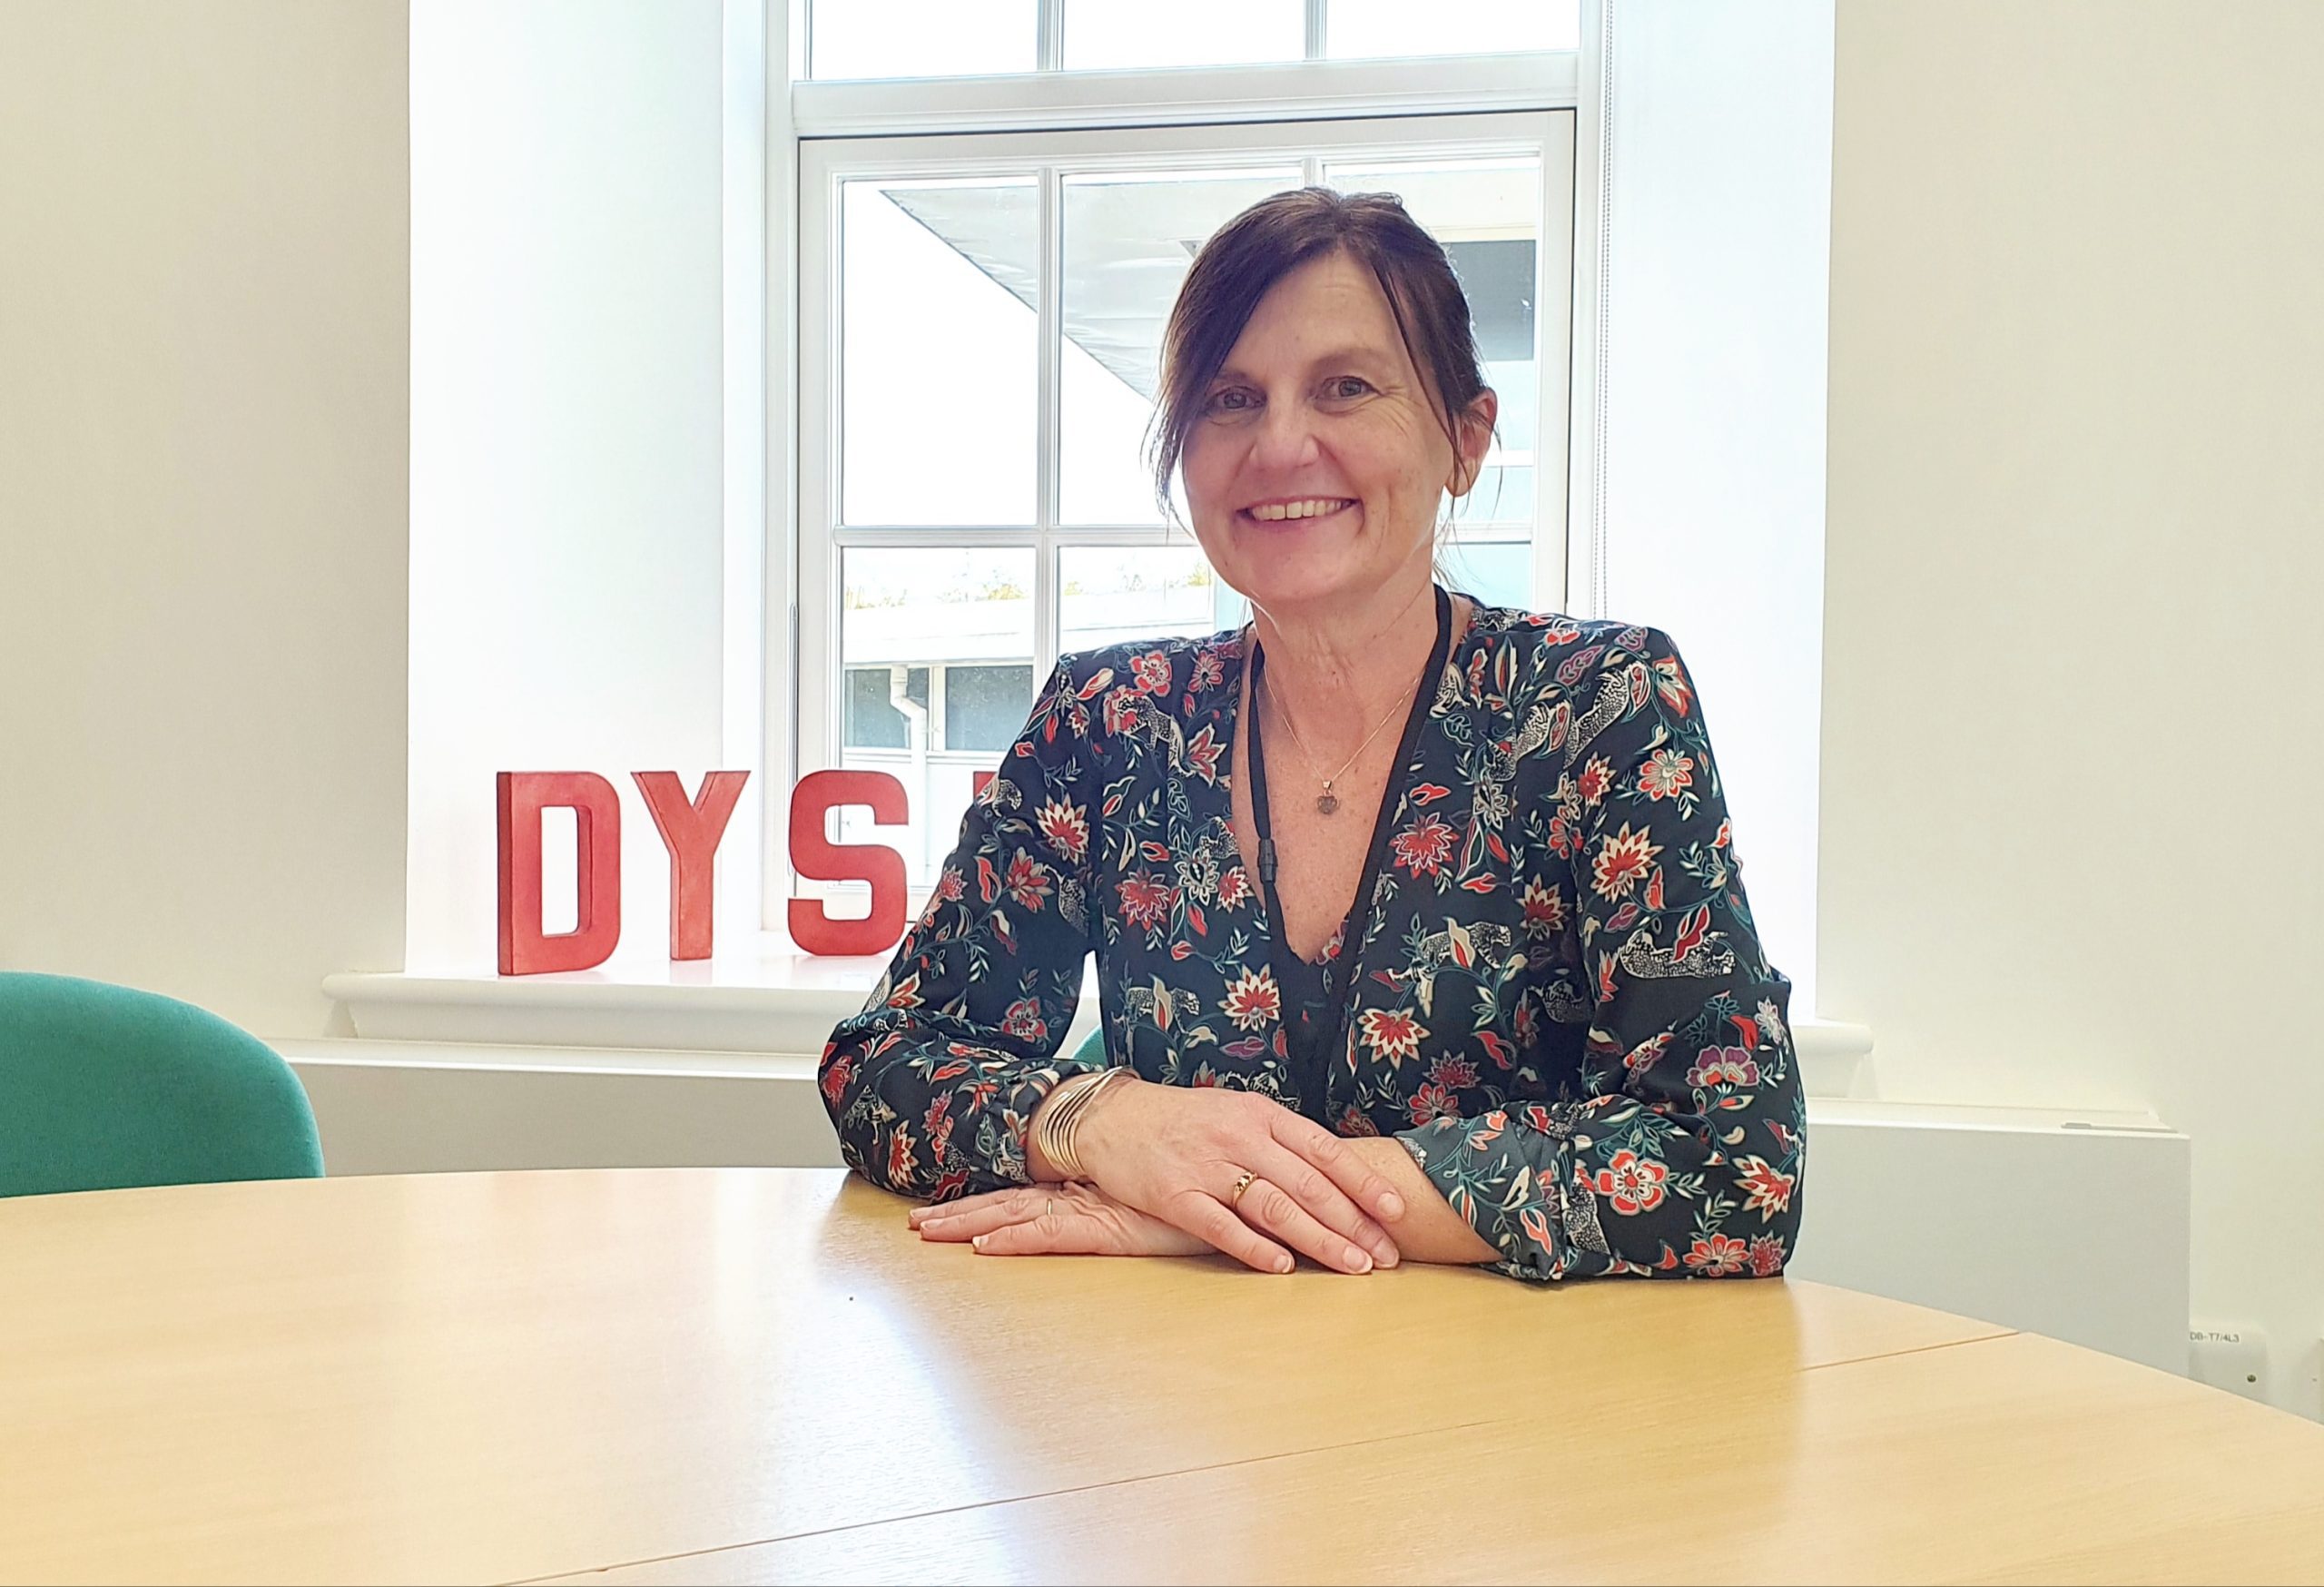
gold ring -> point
(1235, 1197)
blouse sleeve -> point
(930, 1088)
(1682, 1155)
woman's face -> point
(1316, 463)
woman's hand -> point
(1177, 1153)
(1053, 1220)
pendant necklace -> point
(1328, 802)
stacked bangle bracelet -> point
(1053, 1127)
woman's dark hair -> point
(1246, 257)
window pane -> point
(1182, 33)
(935, 613)
(1488, 215)
(1108, 594)
(985, 707)
(921, 38)
(1128, 239)
(874, 718)
(1451, 27)
(938, 351)
(1497, 573)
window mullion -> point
(1051, 55)
(1318, 29)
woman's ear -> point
(1475, 430)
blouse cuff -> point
(1475, 1165)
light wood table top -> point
(735, 1374)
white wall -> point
(204, 383)
(1714, 464)
(2069, 738)
(567, 549)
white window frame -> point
(1041, 123)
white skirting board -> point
(2073, 1226)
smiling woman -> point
(1526, 955)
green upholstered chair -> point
(103, 1086)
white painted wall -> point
(1714, 463)
(567, 543)
(204, 381)
(2069, 740)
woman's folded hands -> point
(1180, 1170)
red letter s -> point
(815, 856)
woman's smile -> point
(1296, 508)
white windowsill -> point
(766, 999)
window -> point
(948, 38)
(979, 322)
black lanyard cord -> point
(1336, 971)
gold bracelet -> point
(1058, 1124)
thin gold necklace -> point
(1327, 802)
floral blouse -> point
(1559, 1002)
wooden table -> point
(745, 1375)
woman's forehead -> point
(1327, 308)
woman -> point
(1419, 930)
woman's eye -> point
(1349, 387)
(1231, 400)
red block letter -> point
(815, 856)
(690, 830)
(596, 810)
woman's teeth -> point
(1314, 507)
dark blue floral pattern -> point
(1559, 1002)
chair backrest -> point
(102, 1088)
(1092, 1050)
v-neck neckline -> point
(1335, 972)
(1227, 722)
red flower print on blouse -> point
(1666, 773)
(1145, 901)
(837, 1075)
(1723, 1066)
(1210, 671)
(1067, 827)
(1152, 671)
(1670, 682)
(900, 1156)
(1431, 1101)
(1596, 778)
(1718, 1256)
(1028, 882)
(1202, 755)
(1234, 887)
(1766, 1256)
(1252, 1000)
(1024, 1022)
(1390, 1035)
(1422, 847)
(1456, 1074)
(1623, 862)
(1544, 911)
(939, 1124)
(950, 887)
(1630, 1184)
(1767, 1189)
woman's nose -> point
(1287, 440)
